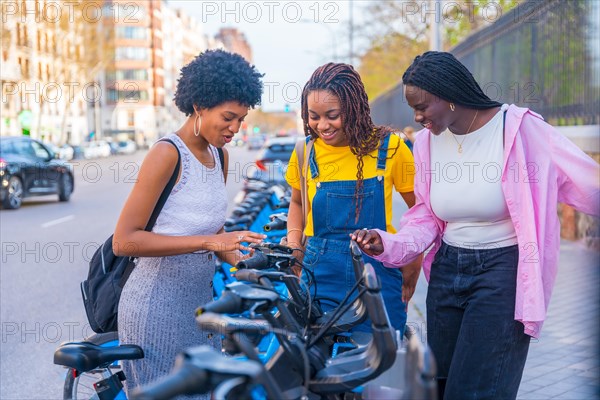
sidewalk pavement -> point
(565, 362)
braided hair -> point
(363, 136)
(442, 75)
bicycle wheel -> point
(82, 386)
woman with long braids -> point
(488, 180)
(352, 169)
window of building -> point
(127, 96)
(18, 34)
(132, 53)
(112, 95)
(132, 74)
(130, 118)
(132, 32)
(125, 12)
(25, 37)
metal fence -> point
(544, 55)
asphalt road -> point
(45, 250)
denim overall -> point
(328, 251)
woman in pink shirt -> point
(488, 179)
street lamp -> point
(434, 28)
(351, 32)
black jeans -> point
(480, 349)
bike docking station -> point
(278, 342)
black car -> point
(28, 168)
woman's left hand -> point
(410, 277)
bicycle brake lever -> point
(268, 248)
(256, 305)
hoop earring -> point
(452, 106)
(197, 133)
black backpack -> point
(108, 273)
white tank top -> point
(198, 202)
(466, 189)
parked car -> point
(64, 152)
(96, 149)
(237, 141)
(126, 147)
(255, 142)
(114, 148)
(104, 148)
(272, 160)
(78, 152)
(276, 149)
(28, 168)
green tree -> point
(382, 66)
(461, 18)
(401, 33)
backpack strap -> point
(166, 191)
(301, 154)
(222, 161)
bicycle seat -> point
(85, 356)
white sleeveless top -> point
(198, 202)
(466, 188)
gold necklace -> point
(468, 129)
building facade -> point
(74, 70)
(45, 71)
(235, 41)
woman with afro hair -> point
(351, 169)
(176, 263)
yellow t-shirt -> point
(339, 164)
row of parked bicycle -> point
(278, 343)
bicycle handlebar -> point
(254, 276)
(228, 303)
(200, 370)
(259, 260)
(276, 224)
(238, 298)
(264, 258)
(185, 379)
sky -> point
(289, 39)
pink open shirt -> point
(541, 168)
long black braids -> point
(363, 136)
(442, 75)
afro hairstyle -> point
(215, 77)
